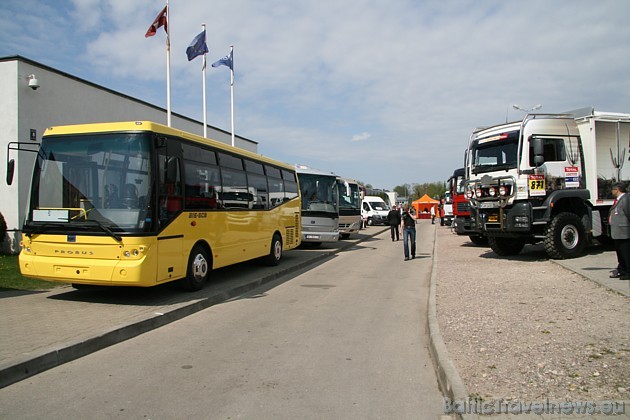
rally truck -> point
(462, 222)
(547, 179)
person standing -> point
(393, 217)
(409, 232)
(432, 215)
(619, 220)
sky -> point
(383, 91)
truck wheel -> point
(565, 236)
(275, 253)
(505, 246)
(197, 271)
(478, 239)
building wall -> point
(63, 99)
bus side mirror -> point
(537, 145)
(10, 171)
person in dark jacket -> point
(409, 232)
(619, 221)
(393, 217)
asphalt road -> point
(345, 339)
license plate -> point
(312, 237)
(488, 205)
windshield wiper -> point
(104, 228)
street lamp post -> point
(527, 110)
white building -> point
(34, 97)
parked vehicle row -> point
(544, 179)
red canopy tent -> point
(423, 205)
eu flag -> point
(197, 47)
(225, 61)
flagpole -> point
(232, 90)
(168, 65)
(203, 84)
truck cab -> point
(527, 185)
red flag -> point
(160, 20)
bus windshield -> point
(319, 194)
(92, 183)
(349, 197)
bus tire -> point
(506, 246)
(198, 269)
(565, 236)
(275, 251)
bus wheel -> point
(198, 268)
(275, 251)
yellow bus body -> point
(231, 236)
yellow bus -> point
(140, 204)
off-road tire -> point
(478, 239)
(565, 237)
(506, 246)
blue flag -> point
(197, 47)
(225, 61)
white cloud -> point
(417, 76)
(361, 137)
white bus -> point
(320, 205)
(349, 207)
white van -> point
(374, 210)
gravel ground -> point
(523, 328)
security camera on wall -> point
(33, 83)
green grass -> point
(11, 279)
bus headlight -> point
(134, 252)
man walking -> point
(409, 232)
(619, 220)
(393, 217)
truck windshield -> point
(378, 205)
(460, 185)
(495, 153)
(92, 183)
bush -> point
(3, 228)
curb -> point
(449, 380)
(72, 351)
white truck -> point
(547, 179)
(374, 210)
